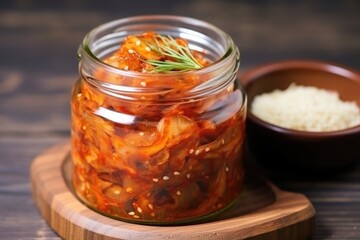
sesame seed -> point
(131, 213)
(79, 95)
(84, 127)
(226, 169)
(131, 51)
(207, 149)
(141, 133)
(143, 84)
(139, 209)
(178, 193)
(197, 152)
(142, 97)
(129, 189)
(144, 71)
(191, 151)
(150, 206)
(82, 188)
(155, 180)
(89, 158)
(176, 173)
(222, 141)
(117, 192)
(136, 216)
(126, 67)
(166, 178)
(188, 175)
(147, 49)
(81, 178)
(138, 43)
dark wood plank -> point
(38, 66)
(19, 218)
(337, 203)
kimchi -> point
(167, 151)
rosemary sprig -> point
(179, 57)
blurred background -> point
(39, 40)
(38, 66)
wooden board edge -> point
(62, 221)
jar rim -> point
(189, 20)
(230, 52)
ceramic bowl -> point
(283, 148)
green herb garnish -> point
(179, 57)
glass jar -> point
(158, 148)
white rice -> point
(306, 108)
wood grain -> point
(38, 65)
(290, 217)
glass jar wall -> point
(158, 148)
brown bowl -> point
(279, 147)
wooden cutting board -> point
(263, 212)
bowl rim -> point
(248, 76)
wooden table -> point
(38, 66)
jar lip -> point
(229, 53)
